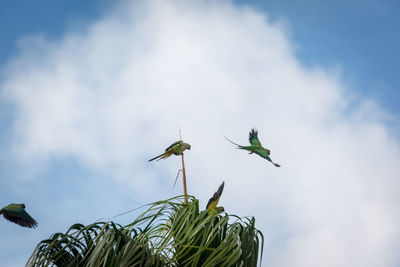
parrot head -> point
(219, 209)
(186, 146)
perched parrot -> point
(213, 202)
(16, 213)
(256, 146)
(175, 148)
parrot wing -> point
(172, 145)
(213, 202)
(264, 154)
(19, 216)
(253, 138)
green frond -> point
(167, 233)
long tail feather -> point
(164, 156)
(158, 157)
(239, 146)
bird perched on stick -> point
(16, 213)
(255, 147)
(175, 148)
(213, 202)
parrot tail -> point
(239, 146)
(158, 157)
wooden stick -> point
(184, 180)
(183, 169)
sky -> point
(89, 92)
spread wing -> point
(253, 138)
(213, 202)
(21, 218)
(264, 153)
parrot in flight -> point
(175, 148)
(255, 147)
(213, 202)
(16, 213)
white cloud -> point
(114, 96)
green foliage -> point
(98, 244)
(168, 233)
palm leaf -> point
(167, 233)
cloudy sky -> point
(89, 92)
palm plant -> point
(168, 233)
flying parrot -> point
(213, 202)
(256, 146)
(16, 213)
(175, 148)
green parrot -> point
(16, 213)
(213, 202)
(175, 148)
(256, 146)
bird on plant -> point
(175, 148)
(255, 146)
(213, 202)
(16, 213)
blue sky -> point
(89, 92)
(361, 37)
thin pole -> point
(184, 180)
(183, 169)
